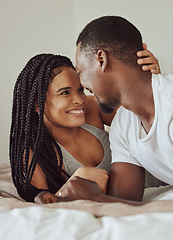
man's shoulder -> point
(122, 121)
(122, 115)
(164, 85)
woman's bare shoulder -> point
(92, 114)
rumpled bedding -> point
(84, 219)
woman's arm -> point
(97, 175)
(38, 179)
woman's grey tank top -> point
(71, 164)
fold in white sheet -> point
(38, 223)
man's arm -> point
(80, 188)
(127, 177)
(126, 181)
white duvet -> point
(34, 223)
(84, 220)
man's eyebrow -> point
(78, 73)
(61, 89)
(77, 70)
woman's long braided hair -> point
(28, 131)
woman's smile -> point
(79, 112)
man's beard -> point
(106, 107)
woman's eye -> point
(65, 93)
(81, 89)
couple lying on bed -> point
(57, 140)
(57, 133)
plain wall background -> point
(36, 26)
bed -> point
(84, 219)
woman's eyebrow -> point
(61, 89)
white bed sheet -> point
(84, 220)
(48, 224)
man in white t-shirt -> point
(152, 149)
(142, 131)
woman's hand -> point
(46, 197)
(148, 60)
(80, 188)
(93, 174)
(97, 175)
(75, 188)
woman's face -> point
(65, 101)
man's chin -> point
(105, 108)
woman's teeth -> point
(76, 111)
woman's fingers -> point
(153, 68)
(148, 61)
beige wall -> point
(31, 27)
(26, 29)
(154, 19)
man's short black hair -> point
(114, 34)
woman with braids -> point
(56, 129)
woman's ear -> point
(102, 58)
(36, 106)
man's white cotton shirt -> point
(152, 151)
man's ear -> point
(102, 58)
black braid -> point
(27, 128)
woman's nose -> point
(77, 99)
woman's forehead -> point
(67, 76)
